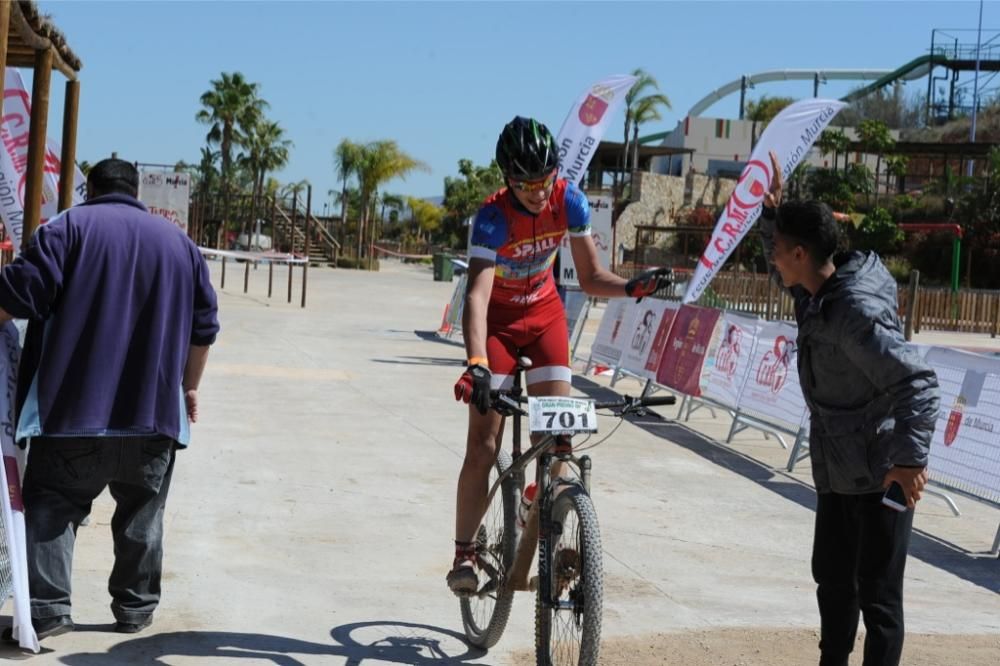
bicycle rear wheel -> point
(485, 614)
(569, 632)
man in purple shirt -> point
(121, 315)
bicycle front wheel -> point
(485, 614)
(568, 631)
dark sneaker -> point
(462, 579)
(133, 627)
(44, 627)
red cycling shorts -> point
(537, 331)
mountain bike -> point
(561, 525)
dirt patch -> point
(774, 647)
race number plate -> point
(561, 416)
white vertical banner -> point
(731, 363)
(14, 162)
(586, 123)
(643, 333)
(790, 135)
(14, 563)
(772, 387)
(610, 340)
(600, 232)
(166, 194)
(965, 448)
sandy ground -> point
(756, 646)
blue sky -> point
(442, 78)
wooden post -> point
(270, 275)
(36, 143)
(67, 170)
(246, 276)
(305, 250)
(290, 266)
(222, 284)
(996, 319)
(4, 34)
(911, 304)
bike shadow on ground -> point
(981, 571)
(359, 643)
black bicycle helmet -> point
(526, 150)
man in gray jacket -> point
(873, 403)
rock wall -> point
(662, 199)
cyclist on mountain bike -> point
(512, 308)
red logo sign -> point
(773, 369)
(954, 421)
(592, 110)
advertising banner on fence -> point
(687, 345)
(772, 387)
(790, 135)
(648, 337)
(166, 194)
(965, 450)
(14, 564)
(600, 232)
(14, 162)
(610, 340)
(586, 123)
(731, 365)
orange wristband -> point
(480, 360)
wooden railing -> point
(937, 308)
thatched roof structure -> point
(31, 31)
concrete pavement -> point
(311, 520)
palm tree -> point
(380, 162)
(346, 158)
(763, 111)
(644, 81)
(646, 109)
(231, 103)
(266, 151)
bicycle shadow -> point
(357, 643)
(923, 546)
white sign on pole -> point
(600, 231)
(586, 123)
(610, 340)
(166, 194)
(772, 384)
(13, 568)
(646, 336)
(965, 449)
(732, 361)
(789, 135)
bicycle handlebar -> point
(505, 403)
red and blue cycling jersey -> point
(523, 246)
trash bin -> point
(444, 270)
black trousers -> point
(62, 478)
(859, 553)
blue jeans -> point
(61, 480)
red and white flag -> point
(790, 135)
(14, 162)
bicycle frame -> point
(539, 518)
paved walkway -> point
(311, 520)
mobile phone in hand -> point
(894, 497)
